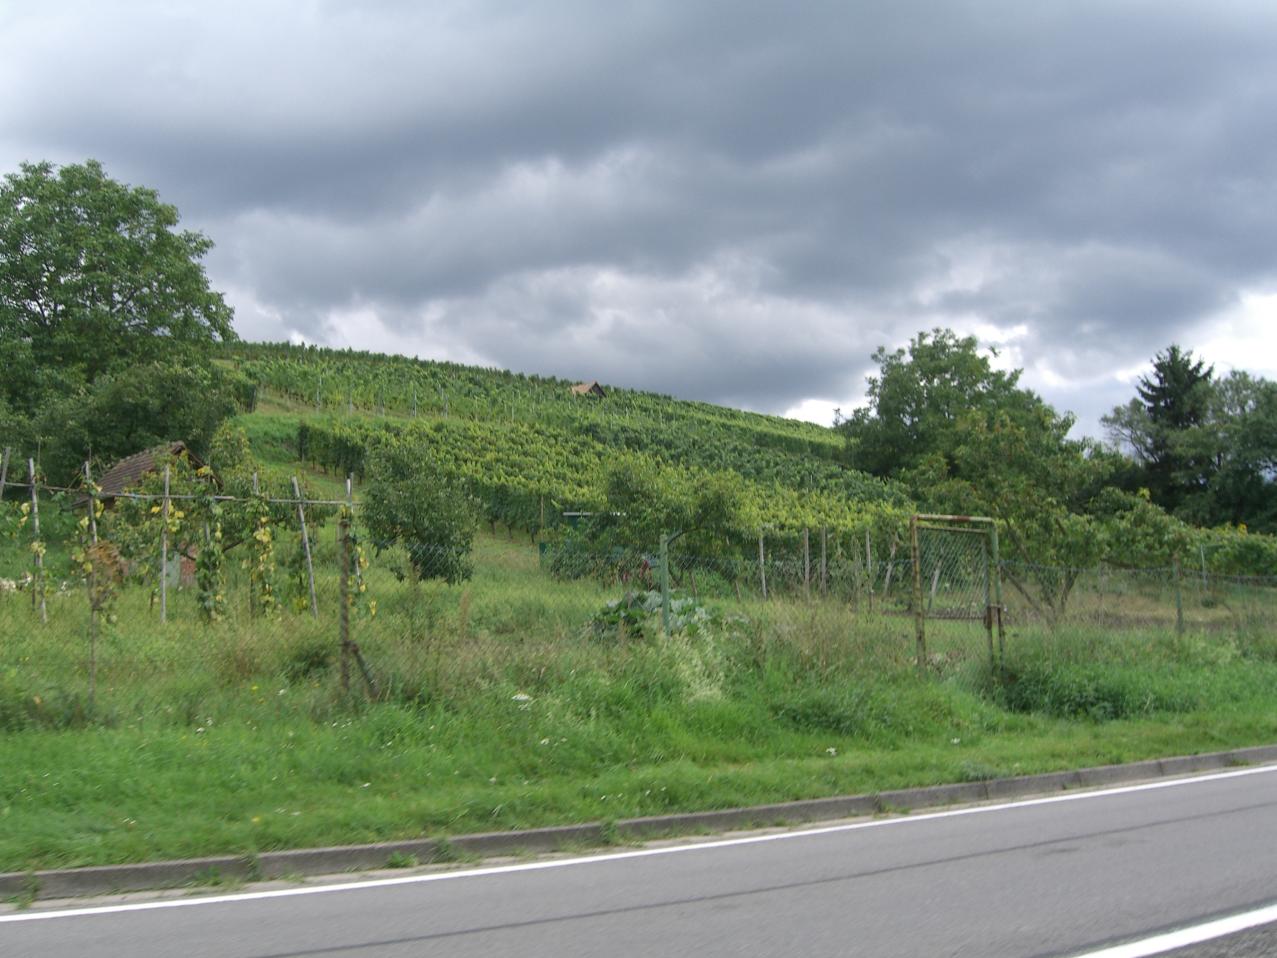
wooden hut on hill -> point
(592, 389)
(129, 472)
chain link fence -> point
(286, 621)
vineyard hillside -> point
(531, 449)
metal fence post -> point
(870, 575)
(343, 593)
(997, 591)
(918, 615)
(93, 587)
(988, 597)
(1179, 596)
(39, 585)
(806, 564)
(164, 550)
(762, 566)
(824, 560)
(310, 567)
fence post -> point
(919, 621)
(988, 598)
(343, 596)
(1179, 596)
(762, 566)
(4, 472)
(665, 582)
(92, 584)
(997, 590)
(350, 648)
(807, 564)
(310, 567)
(870, 576)
(38, 585)
(164, 550)
(824, 560)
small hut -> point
(131, 470)
(592, 389)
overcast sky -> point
(727, 201)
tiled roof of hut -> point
(591, 388)
(128, 472)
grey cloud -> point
(776, 189)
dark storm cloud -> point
(729, 201)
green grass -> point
(501, 709)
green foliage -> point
(210, 574)
(519, 472)
(1204, 448)
(919, 396)
(135, 525)
(637, 615)
(135, 408)
(431, 516)
(1099, 691)
(94, 276)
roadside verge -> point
(107, 879)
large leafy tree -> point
(967, 438)
(1162, 427)
(94, 276)
(135, 408)
(432, 516)
(918, 397)
(1204, 448)
(1240, 440)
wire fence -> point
(302, 609)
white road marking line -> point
(1158, 944)
(482, 872)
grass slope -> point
(502, 711)
(501, 708)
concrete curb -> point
(108, 879)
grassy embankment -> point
(233, 738)
(501, 709)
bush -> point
(638, 614)
(1099, 691)
(431, 516)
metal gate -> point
(955, 578)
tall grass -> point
(500, 706)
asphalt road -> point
(1060, 876)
